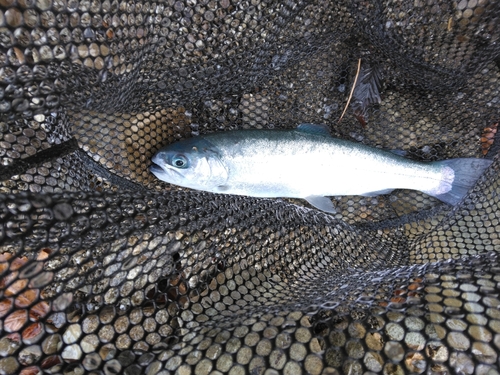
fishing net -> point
(104, 269)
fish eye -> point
(180, 161)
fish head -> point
(193, 163)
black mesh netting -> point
(104, 269)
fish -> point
(306, 163)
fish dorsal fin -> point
(322, 203)
(314, 129)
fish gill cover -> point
(104, 269)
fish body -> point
(305, 163)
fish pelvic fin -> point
(321, 203)
(459, 176)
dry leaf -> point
(16, 287)
(3, 267)
(26, 298)
(488, 137)
(51, 361)
(40, 310)
(44, 254)
(31, 370)
(367, 91)
(33, 333)
(8, 279)
(18, 263)
(5, 306)
(15, 321)
(5, 257)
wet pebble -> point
(72, 334)
(72, 353)
(9, 365)
(30, 355)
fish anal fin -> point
(378, 192)
(222, 189)
(321, 203)
(399, 152)
(314, 129)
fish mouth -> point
(162, 173)
(155, 168)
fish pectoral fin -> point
(321, 203)
(378, 192)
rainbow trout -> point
(306, 163)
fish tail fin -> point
(459, 175)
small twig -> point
(352, 90)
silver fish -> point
(306, 163)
